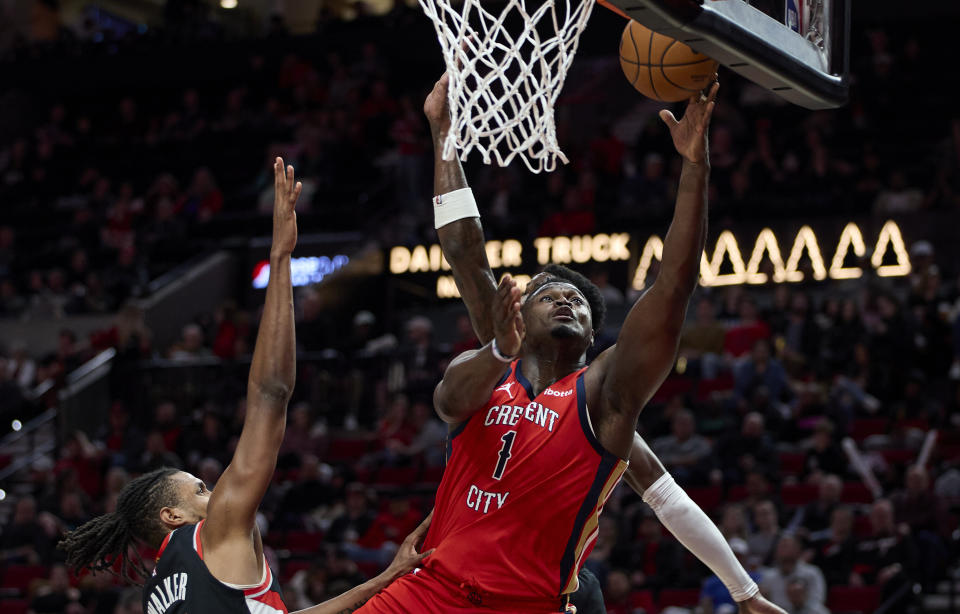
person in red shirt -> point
(392, 524)
(538, 444)
(740, 338)
(539, 438)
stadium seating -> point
(303, 543)
(798, 494)
(708, 498)
(853, 599)
(791, 463)
(856, 492)
(14, 606)
(21, 576)
(679, 597)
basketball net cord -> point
(503, 84)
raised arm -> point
(471, 377)
(233, 505)
(628, 374)
(461, 239)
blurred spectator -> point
(733, 522)
(230, 338)
(166, 422)
(800, 599)
(466, 339)
(897, 197)
(702, 341)
(760, 379)
(921, 509)
(69, 354)
(203, 198)
(130, 601)
(311, 489)
(888, 555)
(55, 595)
(611, 295)
(801, 334)
(788, 568)
(743, 336)
(356, 518)
(656, 561)
(429, 435)
(122, 441)
(391, 526)
(917, 506)
(302, 437)
(191, 345)
(747, 451)
(209, 471)
(393, 428)
(420, 357)
(157, 455)
(764, 540)
(686, 455)
(835, 550)
(80, 458)
(129, 334)
(116, 479)
(823, 456)
(210, 440)
(575, 217)
(24, 541)
(815, 516)
(20, 367)
(618, 597)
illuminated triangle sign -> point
(805, 241)
(890, 237)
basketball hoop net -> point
(505, 80)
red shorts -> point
(426, 591)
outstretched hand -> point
(690, 133)
(437, 108)
(286, 193)
(507, 322)
(408, 556)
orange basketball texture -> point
(662, 68)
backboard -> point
(803, 56)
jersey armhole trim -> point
(249, 590)
(523, 380)
(586, 424)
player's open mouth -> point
(564, 313)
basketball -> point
(663, 68)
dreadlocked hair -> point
(98, 544)
(598, 307)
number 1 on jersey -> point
(507, 440)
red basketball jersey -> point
(516, 512)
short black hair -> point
(589, 290)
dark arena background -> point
(136, 145)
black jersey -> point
(182, 584)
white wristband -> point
(454, 206)
(498, 354)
